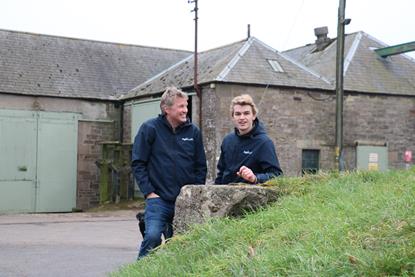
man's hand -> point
(152, 195)
(247, 174)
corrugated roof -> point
(35, 64)
(364, 70)
(244, 62)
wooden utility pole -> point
(195, 69)
(339, 85)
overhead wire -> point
(288, 37)
(293, 24)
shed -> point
(58, 101)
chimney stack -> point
(322, 39)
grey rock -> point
(196, 203)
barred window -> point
(310, 161)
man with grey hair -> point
(167, 154)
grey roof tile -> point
(211, 63)
(241, 62)
(364, 70)
(37, 64)
(254, 68)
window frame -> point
(314, 160)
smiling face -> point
(177, 113)
(243, 118)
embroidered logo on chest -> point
(187, 139)
(247, 152)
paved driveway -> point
(72, 244)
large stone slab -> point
(197, 203)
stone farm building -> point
(60, 98)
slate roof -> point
(243, 62)
(34, 64)
(364, 70)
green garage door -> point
(18, 140)
(56, 162)
(141, 112)
(38, 168)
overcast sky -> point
(282, 24)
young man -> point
(248, 154)
(167, 154)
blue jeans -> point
(158, 218)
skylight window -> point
(275, 65)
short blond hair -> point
(168, 97)
(242, 100)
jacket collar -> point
(256, 129)
(163, 118)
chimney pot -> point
(321, 31)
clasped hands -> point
(247, 174)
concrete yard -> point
(67, 244)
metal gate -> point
(38, 157)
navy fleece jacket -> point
(164, 160)
(254, 150)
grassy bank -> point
(354, 224)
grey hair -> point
(168, 97)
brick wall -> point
(297, 119)
(90, 136)
(127, 124)
(389, 119)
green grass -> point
(352, 224)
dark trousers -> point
(158, 218)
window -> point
(310, 161)
(275, 65)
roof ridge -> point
(223, 46)
(294, 62)
(305, 68)
(158, 75)
(235, 59)
(352, 51)
(89, 40)
(374, 39)
(387, 45)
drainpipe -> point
(121, 134)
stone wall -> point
(298, 119)
(90, 136)
(127, 123)
(92, 131)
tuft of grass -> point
(351, 224)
